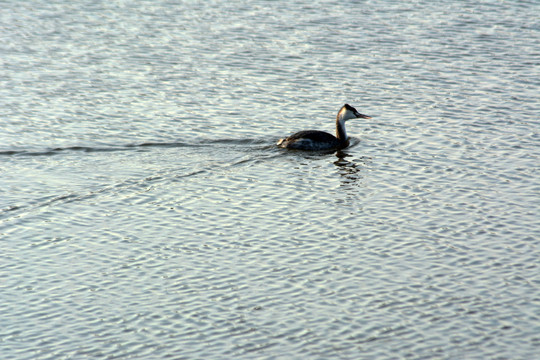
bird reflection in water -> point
(350, 171)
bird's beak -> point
(362, 116)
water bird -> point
(320, 140)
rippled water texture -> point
(145, 211)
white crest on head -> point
(346, 114)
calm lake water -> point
(146, 213)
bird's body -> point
(312, 140)
(320, 140)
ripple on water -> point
(150, 215)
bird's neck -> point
(341, 133)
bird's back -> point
(314, 135)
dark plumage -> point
(320, 140)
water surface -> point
(145, 211)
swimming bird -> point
(320, 140)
